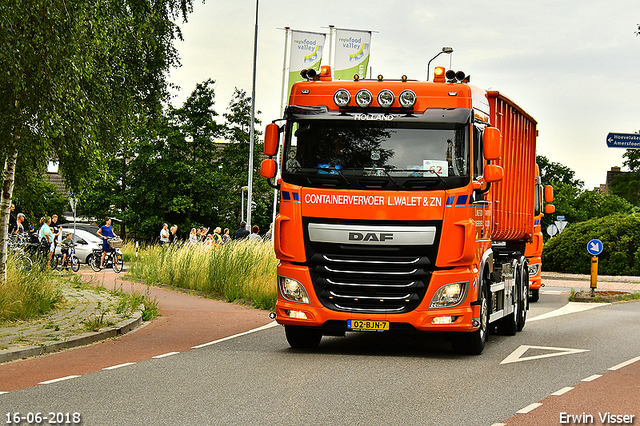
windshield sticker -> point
(436, 167)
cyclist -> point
(105, 232)
(65, 245)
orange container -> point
(513, 195)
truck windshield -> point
(377, 154)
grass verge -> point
(238, 271)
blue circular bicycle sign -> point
(594, 247)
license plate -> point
(368, 325)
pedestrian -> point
(255, 233)
(56, 229)
(217, 237)
(193, 237)
(105, 232)
(12, 219)
(208, 241)
(225, 236)
(269, 234)
(173, 235)
(164, 235)
(19, 228)
(46, 238)
(242, 232)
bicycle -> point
(17, 245)
(113, 258)
(70, 260)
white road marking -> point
(569, 308)
(264, 327)
(624, 364)
(529, 408)
(48, 382)
(592, 378)
(2, 393)
(113, 367)
(165, 355)
(516, 356)
(562, 391)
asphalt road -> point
(363, 379)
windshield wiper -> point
(386, 172)
(338, 172)
(422, 171)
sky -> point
(572, 65)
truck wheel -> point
(523, 300)
(302, 337)
(535, 296)
(473, 343)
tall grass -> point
(27, 294)
(236, 270)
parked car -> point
(85, 243)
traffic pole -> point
(594, 275)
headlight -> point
(534, 269)
(449, 295)
(342, 97)
(407, 98)
(364, 98)
(292, 290)
(386, 98)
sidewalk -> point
(577, 281)
(85, 308)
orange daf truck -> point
(404, 206)
(533, 250)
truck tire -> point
(523, 302)
(302, 337)
(473, 343)
(535, 296)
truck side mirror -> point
(271, 139)
(492, 143)
(268, 168)
(548, 194)
(549, 209)
(493, 173)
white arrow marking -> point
(569, 308)
(516, 356)
(595, 247)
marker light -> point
(342, 97)
(364, 98)
(438, 75)
(356, 77)
(448, 295)
(407, 98)
(380, 78)
(386, 98)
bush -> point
(620, 236)
(27, 294)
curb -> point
(123, 327)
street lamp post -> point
(447, 50)
(244, 188)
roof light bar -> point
(342, 97)
(386, 98)
(407, 98)
(364, 98)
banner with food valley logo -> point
(306, 52)
(351, 54)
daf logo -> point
(370, 236)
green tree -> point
(627, 185)
(76, 78)
(234, 161)
(552, 172)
